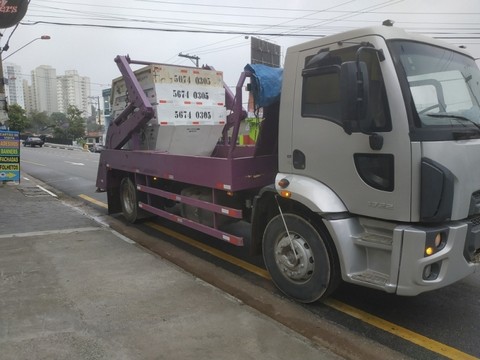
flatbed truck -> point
(366, 168)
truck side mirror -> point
(354, 96)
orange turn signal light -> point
(429, 251)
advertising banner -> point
(9, 155)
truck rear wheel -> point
(128, 199)
(309, 273)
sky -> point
(86, 35)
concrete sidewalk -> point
(71, 288)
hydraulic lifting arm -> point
(137, 113)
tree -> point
(18, 120)
(59, 124)
(76, 123)
(39, 121)
(57, 119)
(68, 126)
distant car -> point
(33, 141)
(97, 148)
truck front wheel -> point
(128, 199)
(303, 266)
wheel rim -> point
(128, 198)
(297, 268)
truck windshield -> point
(444, 85)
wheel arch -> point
(313, 194)
(266, 207)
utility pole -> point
(3, 98)
(98, 108)
(9, 16)
(191, 57)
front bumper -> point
(457, 259)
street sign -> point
(9, 155)
(264, 52)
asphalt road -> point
(439, 324)
(73, 172)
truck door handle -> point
(299, 160)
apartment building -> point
(73, 89)
(48, 92)
(44, 89)
(12, 73)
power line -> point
(293, 9)
(344, 17)
(163, 11)
(108, 16)
(257, 33)
(255, 24)
(290, 30)
(118, 27)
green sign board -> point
(9, 155)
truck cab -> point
(379, 133)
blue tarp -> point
(266, 84)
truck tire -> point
(315, 273)
(128, 200)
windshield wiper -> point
(456, 117)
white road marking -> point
(48, 192)
(50, 232)
(124, 238)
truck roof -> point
(387, 32)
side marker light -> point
(283, 183)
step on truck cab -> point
(366, 169)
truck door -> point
(370, 182)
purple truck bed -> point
(232, 174)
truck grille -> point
(475, 203)
(476, 196)
(475, 221)
(476, 257)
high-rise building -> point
(73, 89)
(44, 89)
(14, 86)
(28, 97)
(48, 92)
(107, 109)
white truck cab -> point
(380, 135)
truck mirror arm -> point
(375, 140)
(354, 84)
(369, 48)
(354, 95)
